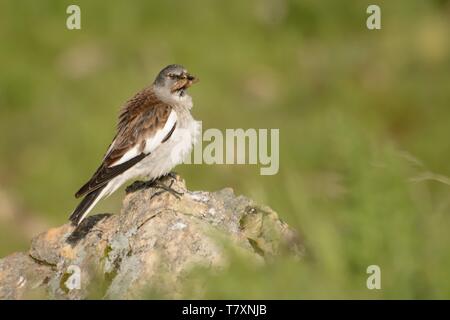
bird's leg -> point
(168, 188)
(158, 184)
(172, 175)
(137, 185)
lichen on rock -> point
(151, 245)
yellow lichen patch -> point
(54, 234)
(68, 252)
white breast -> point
(172, 152)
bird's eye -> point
(172, 76)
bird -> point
(155, 132)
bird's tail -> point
(86, 205)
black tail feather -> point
(77, 214)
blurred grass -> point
(361, 114)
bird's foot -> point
(138, 185)
(172, 175)
(158, 185)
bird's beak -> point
(191, 79)
(185, 82)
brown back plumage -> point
(139, 119)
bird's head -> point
(174, 80)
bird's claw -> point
(137, 185)
(169, 189)
(173, 175)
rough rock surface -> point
(151, 245)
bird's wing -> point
(145, 122)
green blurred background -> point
(364, 119)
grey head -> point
(174, 80)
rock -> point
(21, 276)
(152, 244)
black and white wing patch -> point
(122, 155)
